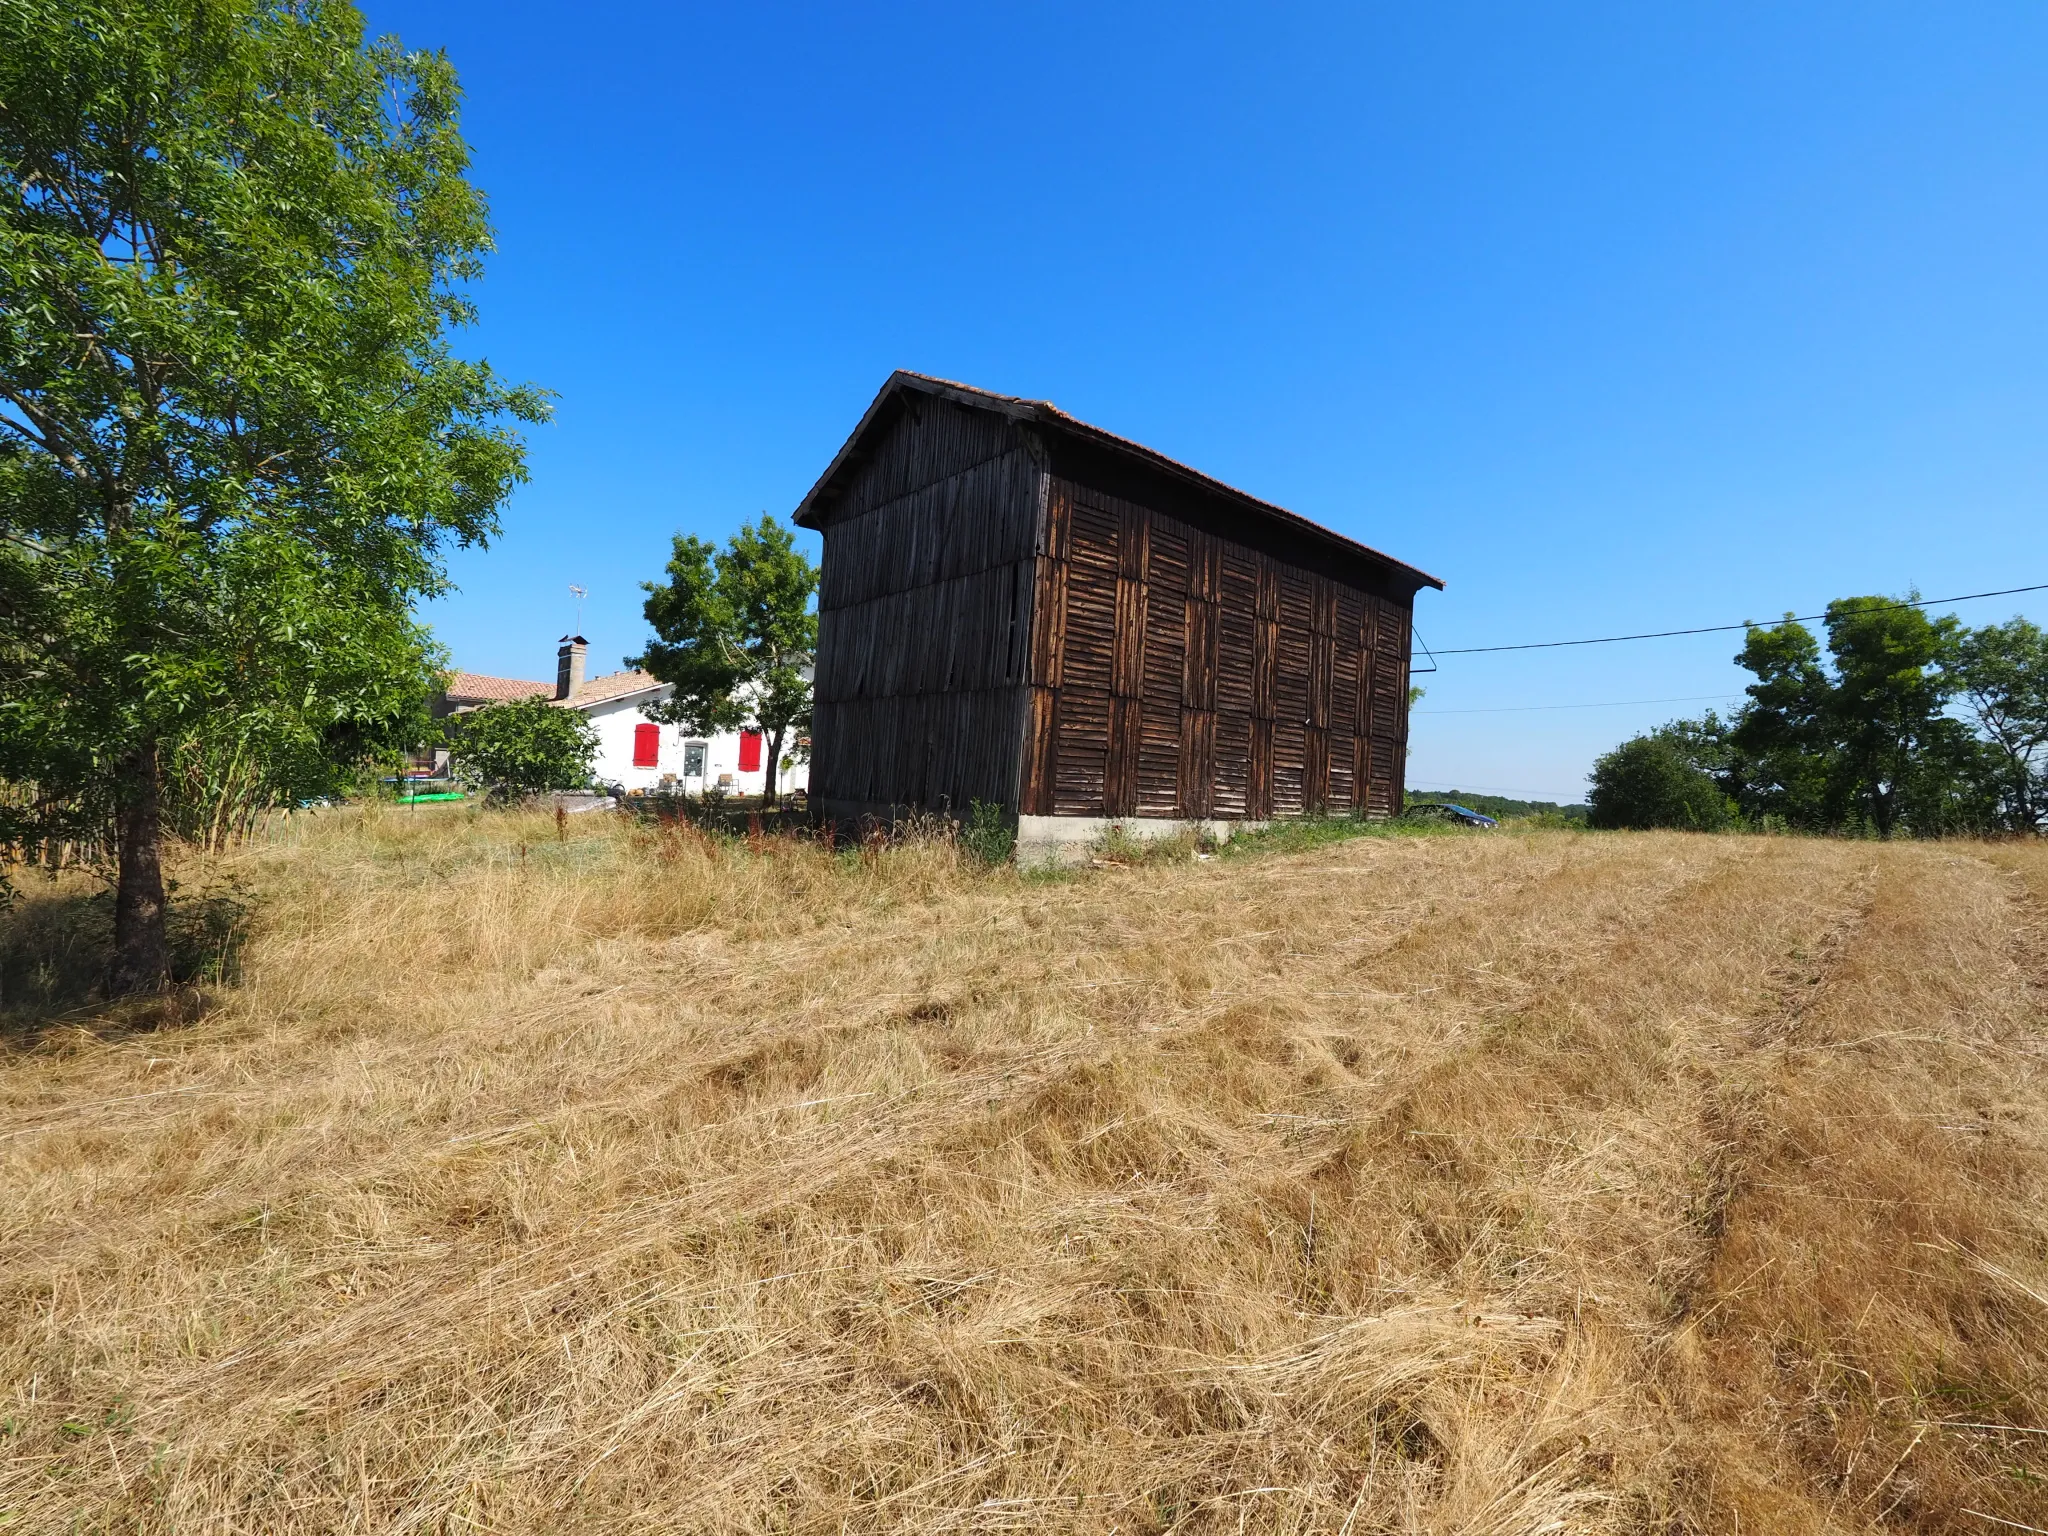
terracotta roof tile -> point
(612, 685)
(475, 688)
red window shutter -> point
(750, 751)
(646, 746)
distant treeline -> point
(1906, 726)
(1499, 807)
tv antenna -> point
(579, 594)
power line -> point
(1517, 709)
(1717, 629)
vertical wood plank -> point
(1265, 641)
(1120, 781)
(1197, 763)
(1199, 661)
(1198, 655)
(1127, 677)
(1049, 610)
(1321, 678)
(1259, 788)
(1041, 752)
(1127, 663)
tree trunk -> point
(774, 762)
(142, 950)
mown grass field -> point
(1477, 1183)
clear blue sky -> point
(1615, 317)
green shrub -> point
(525, 748)
(988, 836)
(1649, 782)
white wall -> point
(615, 721)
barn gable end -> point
(923, 615)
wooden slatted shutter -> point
(1082, 717)
(1175, 673)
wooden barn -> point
(1025, 610)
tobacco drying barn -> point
(1024, 610)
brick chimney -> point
(569, 666)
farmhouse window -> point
(750, 751)
(693, 759)
(646, 745)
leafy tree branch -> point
(736, 636)
(239, 444)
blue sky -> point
(1615, 317)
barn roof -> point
(1056, 423)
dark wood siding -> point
(1174, 672)
(1386, 711)
(1020, 610)
(925, 618)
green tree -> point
(2000, 674)
(234, 442)
(1781, 748)
(1651, 781)
(736, 636)
(527, 747)
(1703, 743)
(1897, 754)
(1863, 740)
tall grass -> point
(596, 1177)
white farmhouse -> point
(633, 752)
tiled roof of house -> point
(612, 685)
(475, 688)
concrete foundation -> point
(1043, 840)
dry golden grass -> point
(1517, 1183)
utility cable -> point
(1518, 709)
(1717, 629)
(1412, 668)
